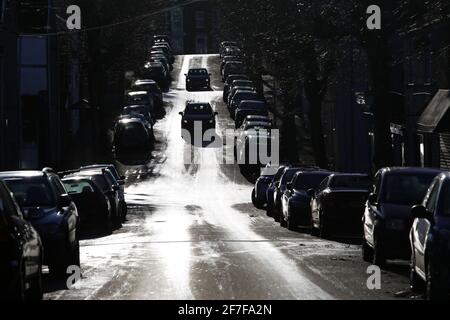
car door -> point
(421, 227)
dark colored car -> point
(197, 79)
(295, 201)
(239, 96)
(21, 252)
(257, 118)
(139, 110)
(141, 98)
(236, 88)
(227, 59)
(430, 241)
(120, 180)
(270, 207)
(157, 72)
(280, 188)
(166, 51)
(338, 204)
(229, 82)
(247, 108)
(161, 37)
(151, 87)
(94, 208)
(259, 192)
(198, 112)
(131, 136)
(232, 67)
(387, 218)
(45, 203)
(111, 189)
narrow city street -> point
(193, 233)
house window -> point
(200, 19)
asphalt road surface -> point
(192, 232)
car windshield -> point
(132, 133)
(101, 181)
(198, 109)
(138, 99)
(394, 186)
(198, 72)
(77, 186)
(287, 176)
(306, 181)
(351, 182)
(32, 191)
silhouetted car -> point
(224, 44)
(94, 208)
(157, 72)
(232, 67)
(21, 252)
(233, 90)
(142, 98)
(227, 59)
(259, 192)
(270, 207)
(151, 87)
(45, 203)
(161, 57)
(249, 107)
(259, 141)
(161, 38)
(338, 204)
(131, 136)
(295, 201)
(239, 96)
(256, 118)
(251, 127)
(140, 110)
(231, 51)
(120, 180)
(197, 79)
(430, 240)
(110, 188)
(387, 217)
(279, 188)
(229, 82)
(133, 115)
(166, 51)
(200, 113)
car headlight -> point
(185, 121)
(211, 121)
(395, 224)
(188, 80)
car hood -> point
(198, 117)
(395, 211)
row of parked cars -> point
(43, 214)
(144, 103)
(400, 213)
(246, 106)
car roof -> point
(144, 81)
(137, 93)
(253, 102)
(21, 174)
(258, 123)
(409, 170)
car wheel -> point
(268, 211)
(254, 200)
(379, 258)
(276, 215)
(323, 228)
(367, 251)
(415, 282)
(434, 289)
(283, 223)
(35, 292)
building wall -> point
(9, 111)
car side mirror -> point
(121, 182)
(311, 192)
(122, 177)
(216, 114)
(185, 74)
(180, 113)
(420, 212)
(373, 198)
(65, 200)
(115, 188)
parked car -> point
(119, 180)
(430, 241)
(21, 252)
(110, 188)
(200, 112)
(387, 217)
(94, 207)
(256, 140)
(161, 38)
(224, 44)
(249, 128)
(142, 98)
(239, 96)
(166, 50)
(256, 118)
(229, 82)
(234, 89)
(45, 203)
(197, 79)
(270, 207)
(157, 72)
(294, 204)
(231, 51)
(259, 192)
(151, 87)
(338, 204)
(279, 188)
(131, 135)
(232, 67)
(227, 59)
(249, 107)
